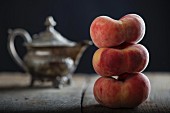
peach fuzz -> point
(124, 59)
(108, 32)
(128, 91)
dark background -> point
(74, 18)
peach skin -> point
(124, 59)
(128, 91)
(108, 32)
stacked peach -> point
(120, 55)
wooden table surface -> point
(16, 96)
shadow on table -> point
(97, 108)
(19, 88)
(57, 110)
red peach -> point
(108, 32)
(128, 91)
(116, 61)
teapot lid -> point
(50, 37)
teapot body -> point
(49, 62)
(56, 64)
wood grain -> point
(158, 102)
(16, 96)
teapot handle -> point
(11, 47)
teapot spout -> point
(82, 47)
(86, 43)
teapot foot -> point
(69, 79)
(32, 82)
(57, 82)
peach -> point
(128, 91)
(116, 61)
(108, 32)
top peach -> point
(108, 32)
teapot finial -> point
(50, 22)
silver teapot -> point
(50, 56)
